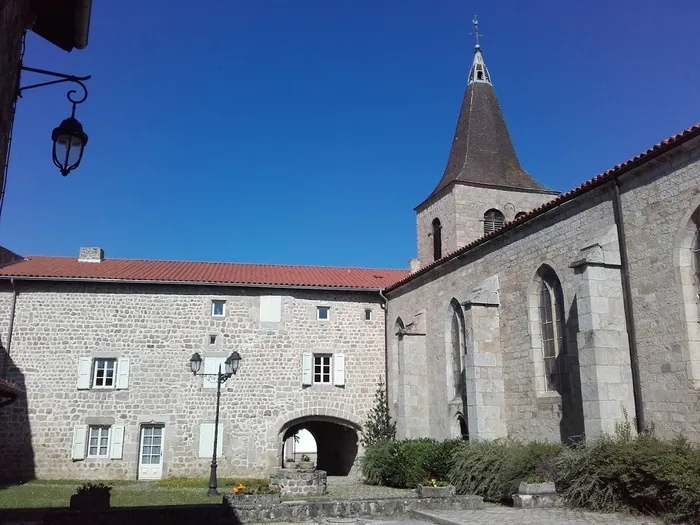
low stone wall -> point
(300, 482)
(536, 496)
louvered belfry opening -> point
(493, 220)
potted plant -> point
(305, 462)
(435, 488)
(91, 496)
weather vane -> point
(476, 33)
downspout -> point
(385, 307)
(6, 363)
(629, 311)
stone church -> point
(527, 313)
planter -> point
(89, 502)
(305, 465)
(536, 488)
(429, 491)
(536, 496)
(247, 500)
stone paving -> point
(347, 487)
(510, 516)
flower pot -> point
(428, 491)
(90, 502)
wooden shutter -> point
(117, 436)
(84, 373)
(306, 368)
(206, 440)
(123, 373)
(339, 369)
(79, 437)
(270, 308)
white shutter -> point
(206, 440)
(79, 436)
(306, 365)
(123, 373)
(117, 436)
(211, 366)
(84, 369)
(270, 308)
(339, 369)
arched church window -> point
(457, 348)
(437, 239)
(551, 309)
(493, 220)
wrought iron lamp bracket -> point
(61, 79)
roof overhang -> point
(64, 23)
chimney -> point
(91, 255)
(414, 265)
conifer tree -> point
(379, 426)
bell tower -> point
(483, 185)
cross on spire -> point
(476, 33)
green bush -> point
(405, 464)
(643, 473)
(494, 469)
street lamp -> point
(69, 139)
(231, 367)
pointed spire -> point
(482, 152)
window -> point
(437, 239)
(323, 313)
(457, 350)
(218, 308)
(551, 325)
(493, 220)
(98, 442)
(322, 369)
(104, 373)
(212, 339)
(368, 314)
(519, 215)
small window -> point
(98, 442)
(322, 369)
(437, 239)
(520, 215)
(104, 373)
(212, 339)
(323, 313)
(368, 314)
(493, 220)
(218, 308)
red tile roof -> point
(68, 268)
(653, 152)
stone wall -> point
(300, 482)
(658, 200)
(157, 328)
(461, 212)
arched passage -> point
(336, 442)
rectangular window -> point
(322, 369)
(212, 339)
(104, 373)
(368, 314)
(98, 442)
(323, 313)
(218, 308)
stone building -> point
(528, 313)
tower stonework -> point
(483, 185)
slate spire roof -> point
(482, 152)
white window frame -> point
(368, 314)
(214, 303)
(96, 368)
(323, 361)
(319, 309)
(100, 430)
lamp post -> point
(231, 367)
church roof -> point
(207, 273)
(482, 152)
(655, 151)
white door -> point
(151, 453)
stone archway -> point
(337, 441)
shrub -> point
(494, 469)
(379, 426)
(642, 473)
(440, 459)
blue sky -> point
(305, 132)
